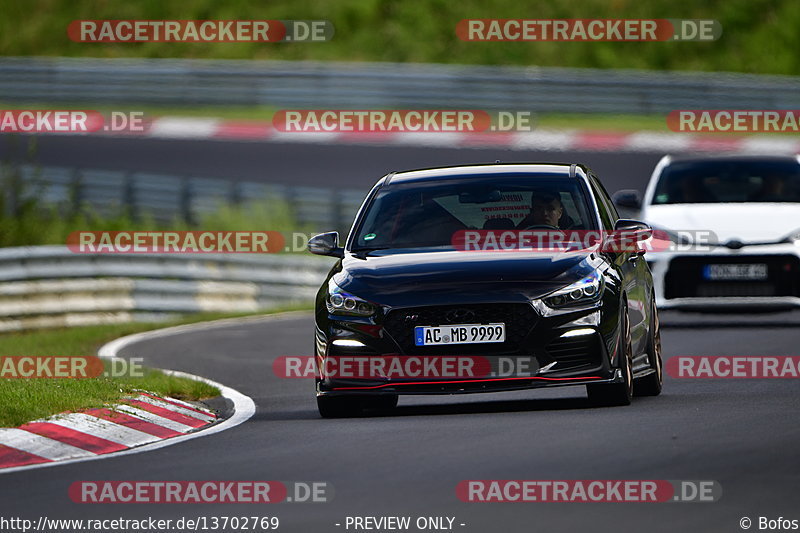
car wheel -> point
(617, 394)
(650, 385)
(339, 406)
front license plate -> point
(459, 334)
(744, 272)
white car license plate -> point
(745, 272)
(459, 334)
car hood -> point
(399, 279)
(763, 222)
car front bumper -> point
(552, 352)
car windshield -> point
(426, 214)
(729, 181)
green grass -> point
(759, 36)
(23, 400)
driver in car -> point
(546, 210)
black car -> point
(408, 310)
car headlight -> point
(341, 302)
(793, 237)
(583, 294)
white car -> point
(734, 227)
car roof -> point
(731, 157)
(566, 170)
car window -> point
(603, 205)
(728, 181)
(606, 198)
(427, 214)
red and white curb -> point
(135, 421)
(550, 140)
(143, 423)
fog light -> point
(349, 343)
(577, 332)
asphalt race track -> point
(744, 434)
(741, 433)
(339, 165)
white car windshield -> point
(693, 182)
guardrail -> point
(167, 197)
(185, 82)
(50, 286)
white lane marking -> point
(113, 348)
(429, 138)
(176, 409)
(39, 445)
(244, 406)
(768, 144)
(147, 416)
(244, 409)
(184, 127)
(543, 140)
(665, 142)
(104, 429)
(305, 136)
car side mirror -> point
(628, 198)
(326, 244)
(626, 236)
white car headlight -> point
(793, 237)
(583, 294)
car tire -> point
(651, 384)
(617, 394)
(339, 406)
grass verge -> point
(23, 400)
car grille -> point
(518, 318)
(684, 279)
(575, 352)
